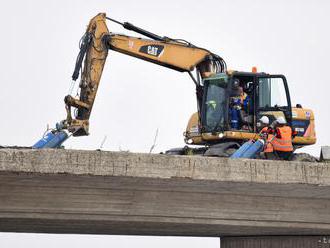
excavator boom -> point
(175, 54)
(179, 57)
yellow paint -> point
(175, 55)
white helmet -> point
(264, 120)
(281, 120)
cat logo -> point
(153, 50)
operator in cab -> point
(238, 105)
(242, 95)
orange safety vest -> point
(284, 142)
(270, 137)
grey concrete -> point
(70, 191)
(325, 154)
(276, 241)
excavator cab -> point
(232, 104)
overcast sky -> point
(39, 45)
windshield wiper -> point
(214, 131)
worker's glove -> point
(294, 134)
(269, 130)
(263, 135)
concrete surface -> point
(325, 154)
(71, 191)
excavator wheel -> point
(303, 157)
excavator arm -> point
(175, 54)
(94, 53)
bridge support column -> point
(276, 241)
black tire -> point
(175, 151)
(303, 157)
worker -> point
(264, 123)
(266, 133)
(235, 92)
(242, 95)
(235, 105)
(239, 107)
(279, 140)
(282, 142)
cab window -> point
(215, 108)
(272, 93)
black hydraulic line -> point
(113, 20)
(131, 27)
(85, 43)
(194, 79)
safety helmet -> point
(281, 120)
(264, 119)
(235, 83)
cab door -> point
(273, 97)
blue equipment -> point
(249, 149)
(52, 139)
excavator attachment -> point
(51, 139)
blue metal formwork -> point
(51, 140)
(249, 149)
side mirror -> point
(298, 105)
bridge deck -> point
(71, 191)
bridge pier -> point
(276, 242)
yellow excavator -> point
(219, 126)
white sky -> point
(13, 240)
(39, 45)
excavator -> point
(220, 126)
